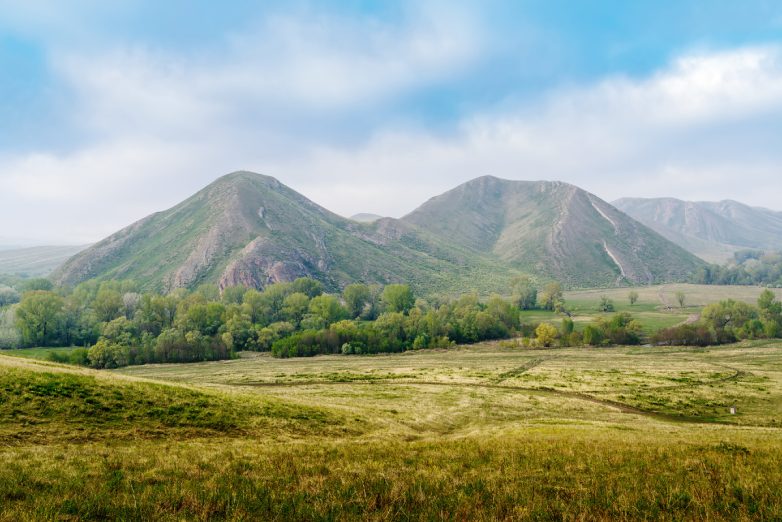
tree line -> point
(116, 325)
(727, 322)
(748, 267)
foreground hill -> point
(711, 230)
(248, 229)
(35, 261)
(555, 229)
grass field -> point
(483, 432)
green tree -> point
(121, 331)
(606, 305)
(632, 297)
(239, 333)
(105, 354)
(567, 326)
(525, 295)
(40, 318)
(308, 286)
(681, 298)
(233, 294)
(38, 283)
(295, 306)
(108, 304)
(257, 306)
(205, 318)
(356, 296)
(552, 297)
(770, 313)
(327, 308)
(592, 335)
(398, 298)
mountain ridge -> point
(554, 228)
(712, 230)
(250, 229)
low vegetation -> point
(483, 432)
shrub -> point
(546, 334)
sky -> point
(110, 111)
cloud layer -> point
(327, 104)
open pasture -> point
(490, 431)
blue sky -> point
(112, 110)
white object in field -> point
(733, 410)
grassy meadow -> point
(483, 432)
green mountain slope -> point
(711, 230)
(252, 230)
(553, 229)
(248, 229)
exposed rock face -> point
(248, 229)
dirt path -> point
(691, 319)
(521, 369)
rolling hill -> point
(554, 229)
(35, 261)
(252, 230)
(711, 230)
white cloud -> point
(682, 132)
(169, 124)
(286, 67)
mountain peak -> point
(249, 229)
(713, 230)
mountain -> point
(365, 218)
(553, 229)
(252, 230)
(248, 229)
(711, 230)
(35, 261)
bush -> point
(685, 335)
(546, 334)
(592, 335)
(106, 354)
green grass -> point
(43, 404)
(484, 432)
(40, 353)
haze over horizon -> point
(111, 112)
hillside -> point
(711, 230)
(252, 230)
(35, 261)
(554, 229)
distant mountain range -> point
(35, 261)
(252, 230)
(711, 230)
